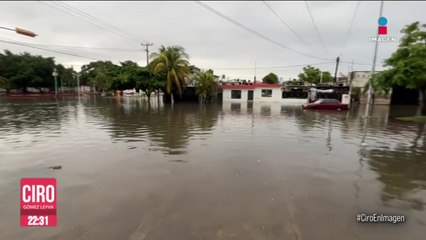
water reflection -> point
(248, 169)
(402, 173)
(26, 121)
(165, 127)
(400, 164)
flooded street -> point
(225, 171)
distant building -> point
(259, 92)
(359, 79)
(342, 81)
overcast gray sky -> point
(211, 41)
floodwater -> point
(226, 171)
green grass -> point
(418, 119)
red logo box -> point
(383, 30)
(38, 202)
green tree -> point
(205, 85)
(313, 75)
(171, 62)
(379, 84)
(407, 64)
(148, 81)
(66, 75)
(271, 78)
(4, 83)
(26, 70)
(103, 75)
(127, 74)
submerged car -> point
(326, 104)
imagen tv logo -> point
(383, 30)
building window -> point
(266, 92)
(236, 94)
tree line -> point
(169, 71)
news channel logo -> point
(382, 32)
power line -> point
(285, 23)
(91, 21)
(255, 32)
(81, 18)
(275, 67)
(94, 48)
(50, 50)
(348, 33)
(355, 63)
(78, 11)
(315, 26)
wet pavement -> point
(225, 171)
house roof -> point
(253, 86)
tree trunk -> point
(158, 98)
(171, 97)
(422, 95)
(148, 95)
(158, 95)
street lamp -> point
(77, 75)
(55, 74)
(21, 31)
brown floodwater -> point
(224, 171)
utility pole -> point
(147, 45)
(337, 67)
(321, 77)
(370, 87)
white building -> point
(259, 92)
(359, 78)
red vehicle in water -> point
(326, 104)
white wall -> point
(257, 97)
(360, 79)
(226, 95)
(276, 97)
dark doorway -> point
(250, 95)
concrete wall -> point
(226, 95)
(276, 95)
(257, 97)
(360, 78)
(379, 99)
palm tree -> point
(204, 85)
(173, 63)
